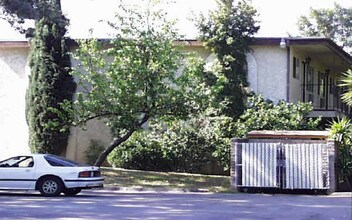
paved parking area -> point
(107, 204)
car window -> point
(20, 161)
(28, 162)
(57, 161)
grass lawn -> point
(116, 177)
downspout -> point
(304, 82)
(285, 44)
(288, 63)
(327, 86)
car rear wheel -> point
(50, 186)
(72, 191)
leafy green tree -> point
(50, 81)
(334, 23)
(228, 32)
(17, 11)
(138, 76)
(265, 115)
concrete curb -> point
(154, 189)
(141, 189)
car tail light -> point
(96, 174)
(84, 174)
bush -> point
(193, 144)
(341, 131)
(264, 115)
(185, 146)
(140, 152)
(93, 152)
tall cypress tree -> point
(50, 79)
(50, 84)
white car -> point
(49, 174)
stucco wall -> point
(267, 73)
(80, 139)
(13, 83)
(295, 83)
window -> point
(321, 84)
(331, 85)
(296, 71)
(20, 161)
(57, 161)
(310, 79)
(310, 98)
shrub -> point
(140, 152)
(93, 152)
(184, 146)
(265, 115)
(341, 131)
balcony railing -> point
(325, 97)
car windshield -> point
(58, 161)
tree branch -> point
(117, 142)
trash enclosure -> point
(284, 160)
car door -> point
(17, 173)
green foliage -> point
(94, 150)
(228, 32)
(264, 115)
(17, 12)
(333, 23)
(137, 76)
(341, 131)
(184, 146)
(140, 152)
(346, 82)
(50, 84)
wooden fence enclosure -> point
(284, 160)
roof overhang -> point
(14, 44)
(323, 49)
(315, 46)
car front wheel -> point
(72, 191)
(50, 186)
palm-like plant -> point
(346, 82)
(341, 131)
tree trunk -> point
(117, 142)
(112, 146)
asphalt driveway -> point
(107, 204)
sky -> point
(277, 18)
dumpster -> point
(286, 161)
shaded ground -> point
(122, 178)
(106, 204)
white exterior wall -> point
(296, 83)
(14, 71)
(267, 71)
(267, 74)
(80, 137)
